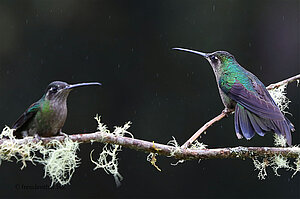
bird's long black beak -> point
(71, 86)
(192, 51)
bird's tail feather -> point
(243, 126)
(247, 123)
(292, 128)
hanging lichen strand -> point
(108, 157)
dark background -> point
(126, 45)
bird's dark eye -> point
(213, 58)
(53, 89)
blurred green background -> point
(126, 45)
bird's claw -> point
(227, 111)
(37, 137)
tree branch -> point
(203, 129)
(286, 81)
(178, 152)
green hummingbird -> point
(47, 116)
(240, 90)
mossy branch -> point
(60, 159)
(182, 153)
(167, 150)
(283, 82)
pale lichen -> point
(196, 145)
(59, 158)
(108, 157)
(152, 159)
(279, 96)
(101, 126)
(276, 162)
(279, 140)
(261, 166)
(175, 150)
(21, 152)
(297, 166)
(279, 162)
(175, 145)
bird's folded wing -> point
(259, 103)
(26, 116)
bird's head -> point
(59, 90)
(216, 59)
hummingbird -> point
(243, 93)
(47, 116)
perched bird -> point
(47, 116)
(240, 90)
